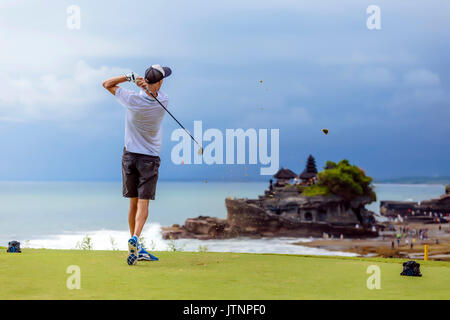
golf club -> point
(200, 151)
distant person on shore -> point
(143, 139)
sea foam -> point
(152, 237)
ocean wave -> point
(152, 238)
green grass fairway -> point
(41, 274)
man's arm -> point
(112, 84)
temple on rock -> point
(308, 175)
(284, 176)
(284, 211)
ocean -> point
(58, 215)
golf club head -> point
(200, 151)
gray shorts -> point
(139, 175)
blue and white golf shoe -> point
(133, 244)
(144, 255)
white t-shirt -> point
(143, 120)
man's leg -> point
(141, 216)
(133, 242)
(132, 214)
(148, 176)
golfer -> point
(140, 160)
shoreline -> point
(382, 246)
(101, 240)
(370, 247)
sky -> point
(384, 95)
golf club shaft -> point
(150, 93)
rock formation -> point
(427, 211)
(282, 211)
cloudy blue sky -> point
(383, 94)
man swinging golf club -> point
(140, 161)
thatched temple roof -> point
(285, 174)
(310, 169)
(305, 175)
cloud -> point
(282, 117)
(53, 96)
(378, 76)
(421, 89)
(421, 78)
(419, 98)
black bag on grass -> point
(14, 246)
(411, 268)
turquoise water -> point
(35, 209)
(39, 210)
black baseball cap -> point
(156, 73)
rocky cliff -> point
(280, 213)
